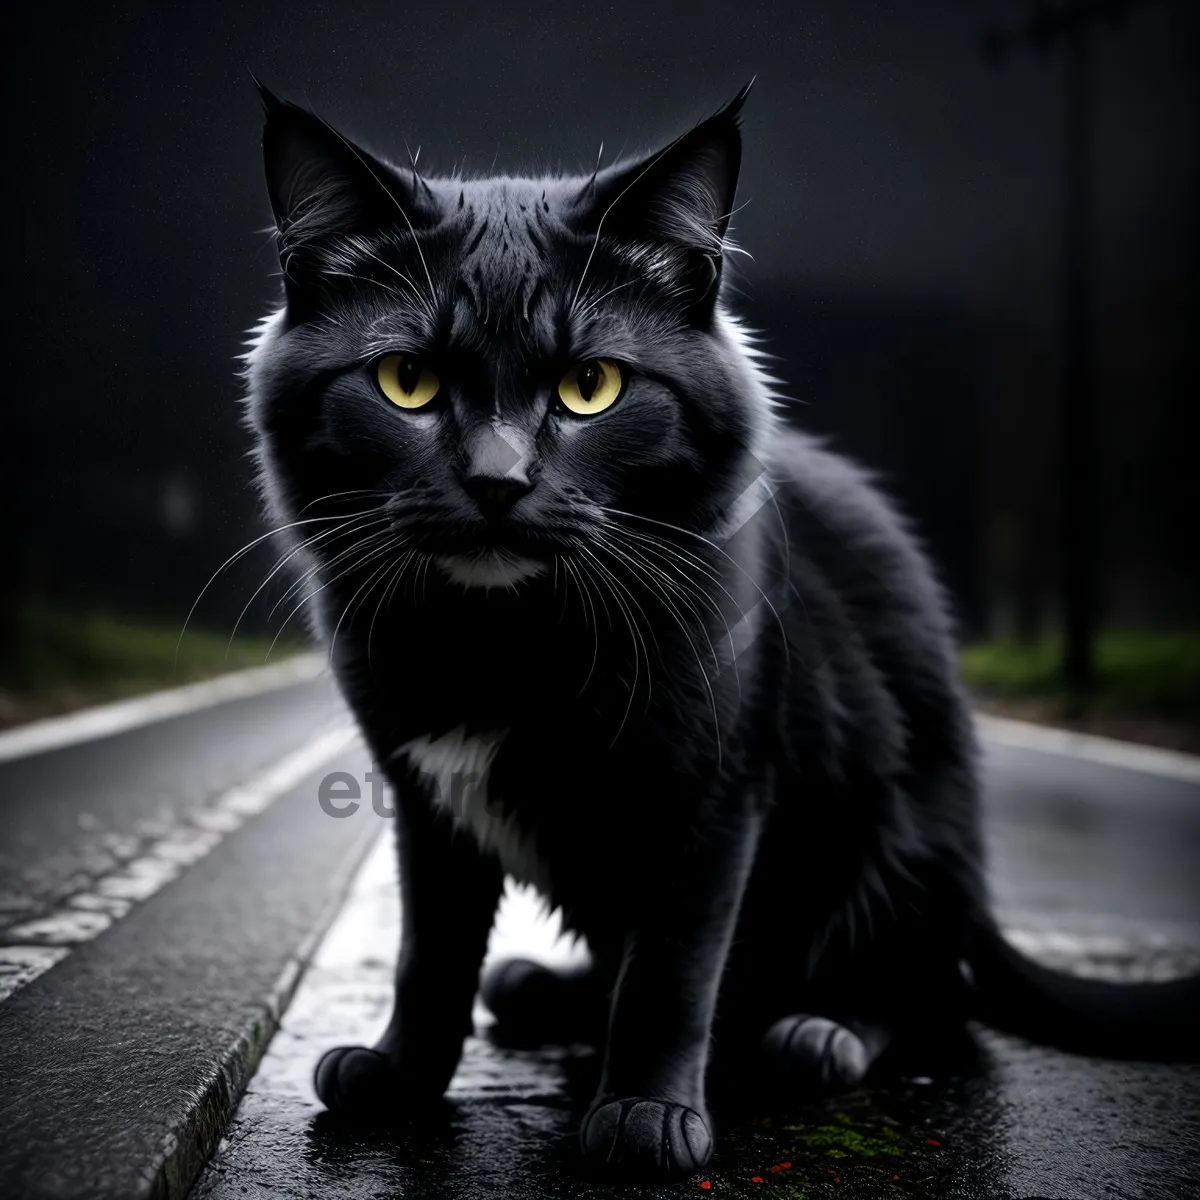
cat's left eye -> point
(590, 387)
(406, 381)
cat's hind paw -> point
(357, 1081)
(535, 1005)
(643, 1138)
(814, 1053)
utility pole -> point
(1067, 25)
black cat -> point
(617, 631)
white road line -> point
(1109, 752)
(344, 991)
(34, 946)
(1149, 955)
(104, 720)
(107, 719)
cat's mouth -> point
(493, 555)
(498, 539)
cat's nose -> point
(495, 496)
(495, 473)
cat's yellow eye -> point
(590, 387)
(406, 381)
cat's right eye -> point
(406, 381)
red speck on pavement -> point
(784, 1166)
(932, 1142)
(756, 1179)
(705, 1183)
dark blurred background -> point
(905, 206)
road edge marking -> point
(104, 720)
(1109, 752)
(32, 947)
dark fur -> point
(742, 757)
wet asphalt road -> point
(1013, 1121)
(104, 1055)
(1094, 870)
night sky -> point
(902, 207)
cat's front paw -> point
(645, 1138)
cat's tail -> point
(1158, 1021)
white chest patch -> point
(458, 764)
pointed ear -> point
(323, 187)
(679, 199)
